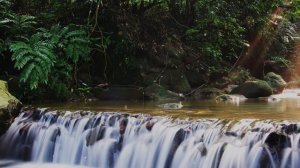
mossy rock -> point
(6, 99)
(159, 93)
(9, 106)
(254, 89)
(275, 81)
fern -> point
(74, 42)
(35, 58)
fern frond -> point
(20, 54)
(27, 72)
(19, 46)
(80, 40)
(75, 33)
(22, 62)
(72, 53)
(64, 31)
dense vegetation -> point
(51, 47)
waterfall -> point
(120, 140)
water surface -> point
(286, 106)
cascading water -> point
(118, 140)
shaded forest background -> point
(58, 48)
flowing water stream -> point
(60, 138)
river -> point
(244, 133)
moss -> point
(275, 81)
(253, 89)
(8, 106)
(5, 97)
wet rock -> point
(31, 114)
(290, 129)
(277, 140)
(202, 149)
(276, 82)
(55, 134)
(228, 133)
(112, 120)
(159, 93)
(24, 129)
(265, 161)
(206, 93)
(149, 125)
(95, 135)
(253, 89)
(255, 129)
(123, 125)
(179, 137)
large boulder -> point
(9, 106)
(275, 81)
(159, 93)
(253, 89)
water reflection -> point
(283, 106)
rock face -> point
(275, 81)
(253, 89)
(9, 106)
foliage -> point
(294, 13)
(35, 58)
(239, 76)
(13, 26)
(48, 42)
(51, 55)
